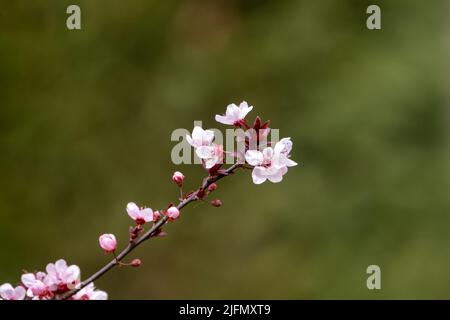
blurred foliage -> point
(86, 118)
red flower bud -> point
(178, 178)
(212, 187)
(216, 203)
(136, 263)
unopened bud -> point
(156, 215)
(212, 187)
(108, 242)
(216, 203)
(173, 213)
(136, 263)
(178, 178)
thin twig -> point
(154, 229)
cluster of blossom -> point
(269, 161)
(57, 280)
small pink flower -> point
(141, 216)
(234, 114)
(211, 155)
(8, 292)
(173, 213)
(90, 293)
(200, 137)
(35, 285)
(156, 215)
(178, 178)
(61, 277)
(108, 242)
(271, 163)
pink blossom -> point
(178, 178)
(173, 213)
(234, 114)
(271, 163)
(35, 285)
(90, 293)
(200, 137)
(61, 277)
(108, 242)
(141, 216)
(211, 155)
(8, 292)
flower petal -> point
(208, 137)
(61, 266)
(99, 295)
(19, 293)
(197, 133)
(7, 291)
(133, 210)
(254, 157)
(224, 119)
(28, 279)
(283, 146)
(204, 152)
(276, 177)
(147, 214)
(257, 175)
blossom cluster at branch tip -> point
(58, 279)
(270, 161)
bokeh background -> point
(86, 118)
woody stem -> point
(153, 230)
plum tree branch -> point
(194, 196)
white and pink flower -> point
(8, 292)
(271, 163)
(211, 155)
(139, 215)
(200, 137)
(234, 114)
(36, 288)
(61, 277)
(90, 293)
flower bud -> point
(136, 263)
(108, 242)
(173, 213)
(216, 203)
(178, 178)
(156, 215)
(212, 187)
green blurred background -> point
(86, 118)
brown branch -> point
(153, 230)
